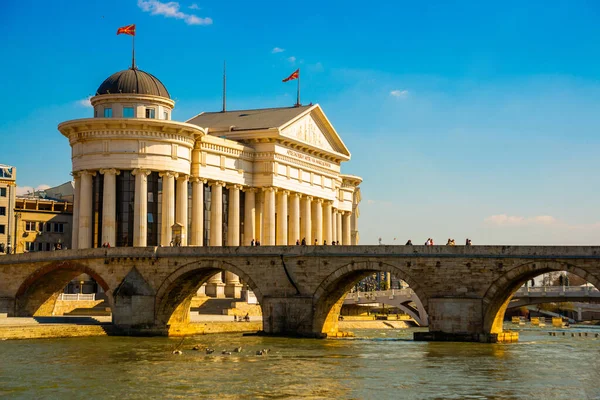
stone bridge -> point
(554, 294)
(464, 290)
(404, 299)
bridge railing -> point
(557, 290)
(77, 296)
(356, 296)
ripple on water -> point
(370, 366)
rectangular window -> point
(40, 247)
(2, 229)
(166, 115)
(2, 192)
(29, 246)
(48, 247)
(127, 112)
(3, 211)
(150, 113)
(48, 227)
(108, 112)
(41, 227)
(58, 227)
(30, 226)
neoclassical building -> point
(219, 179)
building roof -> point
(134, 81)
(248, 119)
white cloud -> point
(292, 59)
(23, 190)
(171, 10)
(84, 102)
(513, 220)
(277, 50)
(194, 6)
(318, 67)
(401, 94)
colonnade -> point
(271, 216)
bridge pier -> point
(460, 320)
(289, 316)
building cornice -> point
(143, 126)
(130, 98)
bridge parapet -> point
(465, 289)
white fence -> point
(558, 290)
(77, 297)
(356, 296)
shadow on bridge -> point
(514, 290)
(37, 295)
(333, 292)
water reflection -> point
(379, 364)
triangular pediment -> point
(313, 128)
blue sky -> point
(471, 119)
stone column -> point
(233, 220)
(317, 228)
(216, 214)
(75, 228)
(327, 222)
(197, 229)
(168, 207)
(347, 234)
(268, 217)
(85, 210)
(215, 286)
(338, 219)
(140, 211)
(334, 225)
(249, 216)
(181, 211)
(282, 215)
(233, 288)
(259, 216)
(305, 228)
(109, 206)
(294, 233)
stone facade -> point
(8, 186)
(220, 179)
(465, 290)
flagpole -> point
(224, 86)
(298, 94)
(133, 52)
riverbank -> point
(65, 327)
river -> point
(378, 364)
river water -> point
(378, 364)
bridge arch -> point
(37, 294)
(496, 299)
(174, 295)
(328, 298)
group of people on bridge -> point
(451, 242)
(299, 243)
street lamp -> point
(81, 287)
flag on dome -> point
(294, 75)
(127, 30)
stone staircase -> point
(99, 310)
(212, 306)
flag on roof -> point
(127, 30)
(294, 75)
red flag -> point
(128, 30)
(294, 75)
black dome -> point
(133, 81)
